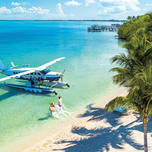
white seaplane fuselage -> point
(45, 74)
(32, 74)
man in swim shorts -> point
(60, 101)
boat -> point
(31, 89)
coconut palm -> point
(139, 53)
(140, 50)
(129, 18)
(133, 17)
(135, 68)
(139, 97)
(148, 31)
(144, 33)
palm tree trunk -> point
(145, 138)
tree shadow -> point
(101, 139)
(141, 127)
(99, 114)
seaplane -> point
(34, 75)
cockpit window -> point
(45, 71)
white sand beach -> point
(95, 130)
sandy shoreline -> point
(94, 130)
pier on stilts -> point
(97, 28)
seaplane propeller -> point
(63, 71)
(61, 75)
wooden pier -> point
(97, 28)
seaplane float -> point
(35, 77)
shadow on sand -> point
(102, 139)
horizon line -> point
(63, 20)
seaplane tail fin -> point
(13, 66)
(2, 67)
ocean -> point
(25, 116)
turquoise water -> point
(24, 116)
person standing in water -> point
(51, 108)
(60, 101)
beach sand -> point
(95, 130)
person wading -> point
(60, 101)
(51, 108)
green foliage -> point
(139, 97)
(139, 53)
(140, 94)
(148, 31)
(117, 102)
(135, 68)
(129, 29)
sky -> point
(73, 9)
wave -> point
(61, 111)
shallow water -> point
(25, 116)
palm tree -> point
(129, 18)
(139, 53)
(133, 17)
(136, 70)
(148, 31)
(139, 97)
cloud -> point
(25, 3)
(110, 10)
(89, 1)
(4, 10)
(72, 3)
(19, 9)
(148, 4)
(15, 3)
(72, 15)
(60, 11)
(38, 10)
(33, 10)
(117, 6)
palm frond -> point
(117, 102)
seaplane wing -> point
(50, 63)
(33, 70)
(17, 75)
